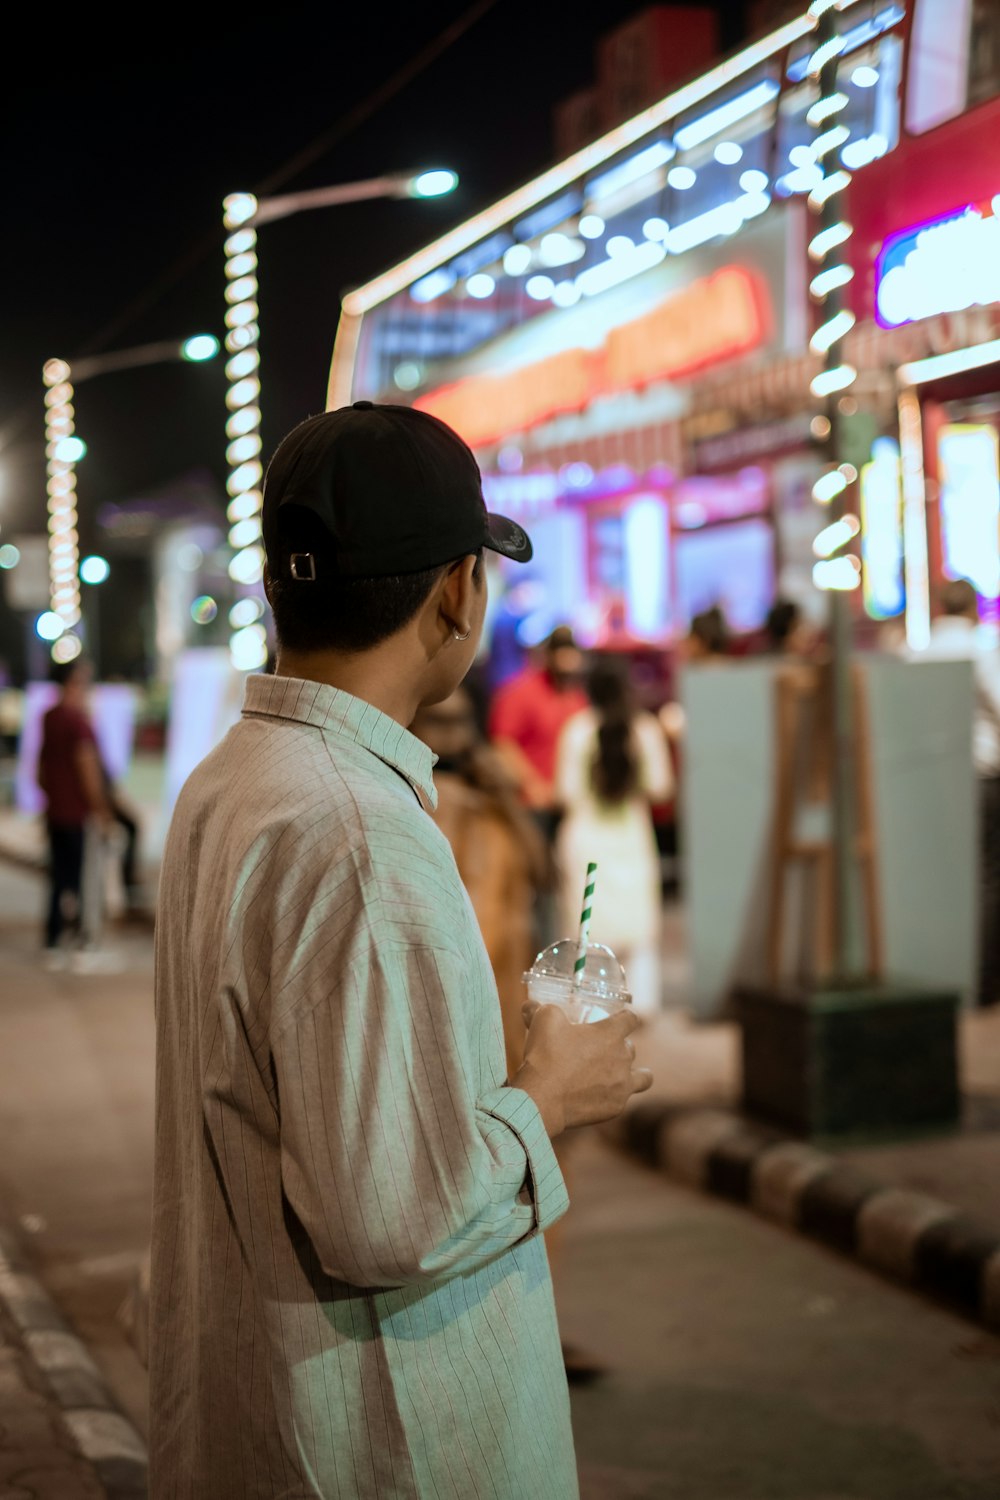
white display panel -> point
(969, 468)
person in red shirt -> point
(70, 775)
(528, 714)
(526, 719)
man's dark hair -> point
(711, 628)
(959, 597)
(782, 618)
(561, 639)
(341, 614)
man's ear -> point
(457, 598)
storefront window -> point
(700, 177)
(731, 566)
(969, 469)
(869, 74)
(954, 60)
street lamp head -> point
(200, 347)
(433, 183)
(94, 569)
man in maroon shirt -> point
(529, 712)
(69, 773)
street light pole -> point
(838, 570)
(63, 450)
(242, 213)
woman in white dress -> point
(612, 763)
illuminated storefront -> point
(927, 299)
(625, 343)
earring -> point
(464, 637)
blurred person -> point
(71, 777)
(507, 653)
(787, 631)
(349, 1290)
(504, 863)
(706, 644)
(956, 635)
(501, 857)
(527, 716)
(126, 818)
(708, 639)
(526, 719)
(612, 765)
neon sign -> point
(946, 265)
(715, 318)
(882, 531)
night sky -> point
(120, 151)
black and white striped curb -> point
(101, 1433)
(906, 1235)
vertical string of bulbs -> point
(64, 540)
(248, 643)
(835, 568)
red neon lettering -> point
(714, 319)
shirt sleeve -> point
(400, 1172)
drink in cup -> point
(592, 992)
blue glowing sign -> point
(945, 265)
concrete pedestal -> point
(874, 1060)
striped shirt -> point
(350, 1294)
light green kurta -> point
(350, 1295)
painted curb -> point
(909, 1237)
(101, 1432)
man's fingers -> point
(642, 1079)
(626, 1020)
(528, 1009)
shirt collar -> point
(345, 717)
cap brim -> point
(508, 538)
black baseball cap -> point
(395, 490)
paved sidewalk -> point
(925, 1211)
(61, 1431)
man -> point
(70, 775)
(349, 1293)
(528, 715)
(956, 634)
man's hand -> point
(579, 1074)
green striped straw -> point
(588, 906)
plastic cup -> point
(602, 991)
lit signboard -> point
(882, 531)
(970, 504)
(946, 265)
(717, 317)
